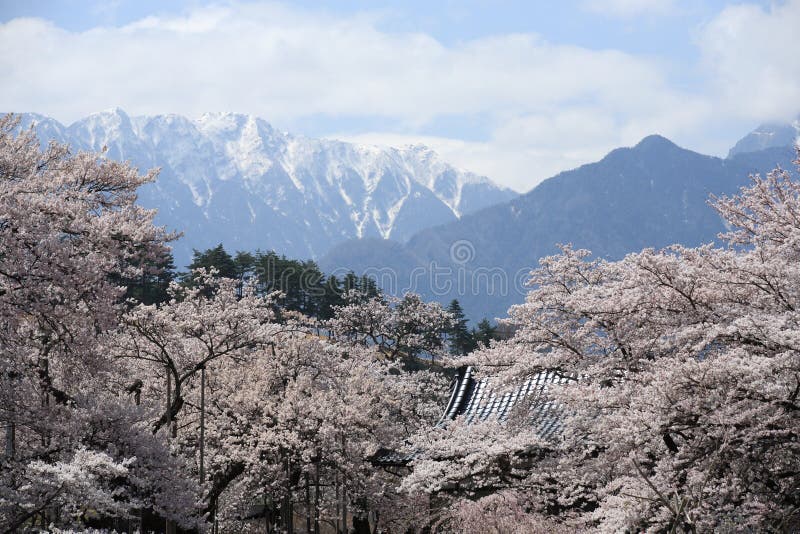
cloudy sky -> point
(516, 90)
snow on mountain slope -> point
(777, 134)
(233, 179)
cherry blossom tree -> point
(401, 328)
(684, 416)
(69, 226)
(282, 409)
(196, 408)
(311, 412)
(201, 324)
(497, 513)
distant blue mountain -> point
(651, 195)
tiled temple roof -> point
(475, 401)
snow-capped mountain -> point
(776, 134)
(233, 179)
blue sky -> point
(511, 89)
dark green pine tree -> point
(215, 257)
(461, 340)
(369, 287)
(309, 286)
(290, 280)
(350, 282)
(266, 266)
(151, 286)
(302, 283)
(245, 263)
(304, 287)
(331, 297)
(484, 333)
(364, 285)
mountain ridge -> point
(234, 179)
(768, 135)
(652, 194)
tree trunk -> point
(202, 423)
(169, 526)
(11, 428)
(361, 524)
(173, 407)
(361, 517)
(308, 504)
(11, 432)
(338, 505)
(288, 515)
(219, 482)
(344, 505)
(267, 512)
(316, 499)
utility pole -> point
(288, 512)
(344, 504)
(308, 504)
(316, 496)
(170, 525)
(338, 504)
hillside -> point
(651, 195)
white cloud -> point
(752, 57)
(549, 106)
(279, 62)
(629, 8)
(527, 149)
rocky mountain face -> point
(769, 135)
(234, 179)
(651, 195)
